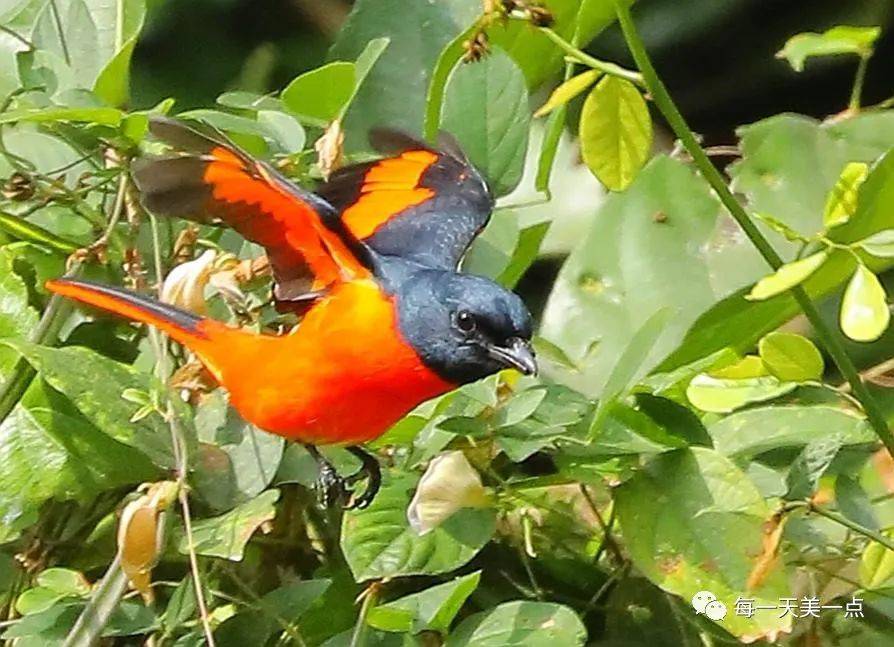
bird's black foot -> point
(372, 471)
(331, 487)
(333, 490)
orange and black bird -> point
(370, 259)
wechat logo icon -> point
(707, 603)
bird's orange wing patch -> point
(213, 181)
(387, 188)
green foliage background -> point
(677, 440)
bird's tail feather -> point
(185, 327)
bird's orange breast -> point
(344, 376)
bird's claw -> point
(331, 488)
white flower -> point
(184, 285)
(449, 484)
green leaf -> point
(113, 83)
(621, 429)
(749, 433)
(106, 116)
(17, 318)
(486, 109)
(880, 244)
(236, 460)
(37, 600)
(93, 41)
(874, 203)
(854, 503)
(837, 40)
(567, 91)
(28, 231)
(613, 281)
(631, 364)
(790, 357)
(288, 133)
(877, 565)
(225, 536)
(615, 132)
(842, 202)
(430, 610)
(810, 465)
(181, 606)
(722, 395)
(378, 542)
(864, 308)
(64, 581)
(323, 93)
(285, 604)
(787, 277)
(679, 421)
(693, 521)
(84, 376)
(79, 461)
(521, 624)
(418, 31)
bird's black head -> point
(465, 327)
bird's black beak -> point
(518, 355)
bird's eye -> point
(465, 322)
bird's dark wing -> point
(422, 203)
(209, 179)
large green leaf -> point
(94, 39)
(521, 624)
(692, 522)
(430, 610)
(418, 32)
(235, 460)
(378, 542)
(486, 109)
(48, 450)
(113, 83)
(648, 249)
(94, 384)
(789, 166)
(755, 431)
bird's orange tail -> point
(194, 332)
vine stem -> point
(828, 337)
(178, 445)
(859, 80)
(847, 523)
(606, 67)
(370, 598)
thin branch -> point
(608, 539)
(830, 338)
(606, 67)
(847, 523)
(370, 597)
(179, 448)
(859, 80)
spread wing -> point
(421, 203)
(209, 179)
